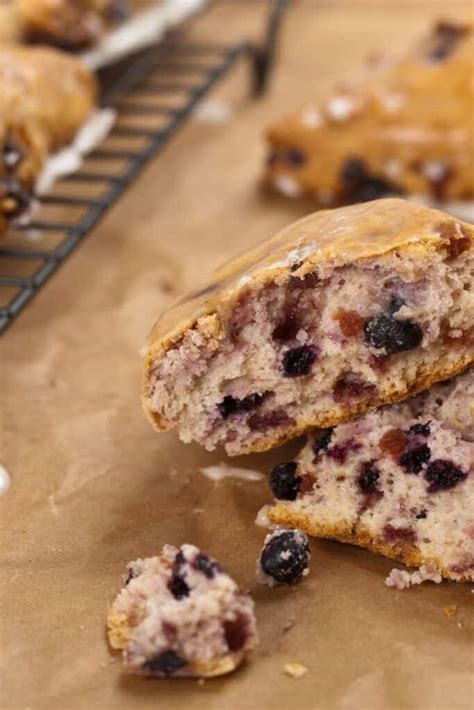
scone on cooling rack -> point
(70, 25)
(45, 97)
(180, 614)
(399, 481)
(341, 312)
(406, 129)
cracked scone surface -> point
(180, 614)
(399, 481)
(339, 313)
(404, 128)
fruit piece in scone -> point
(284, 558)
(341, 312)
(180, 614)
(405, 129)
(399, 481)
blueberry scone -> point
(339, 313)
(45, 97)
(180, 615)
(406, 128)
(399, 481)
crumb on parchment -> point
(295, 670)
(450, 610)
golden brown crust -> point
(282, 514)
(348, 235)
(331, 237)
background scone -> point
(407, 128)
(70, 25)
(180, 615)
(399, 481)
(45, 97)
(339, 313)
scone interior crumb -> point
(180, 615)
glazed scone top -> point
(34, 80)
(329, 237)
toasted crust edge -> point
(119, 632)
(282, 514)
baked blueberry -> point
(178, 587)
(288, 327)
(236, 632)
(294, 156)
(166, 663)
(285, 557)
(322, 443)
(413, 460)
(284, 482)
(231, 405)
(298, 361)
(443, 475)
(391, 335)
(368, 478)
(205, 565)
(360, 185)
(421, 429)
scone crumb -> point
(450, 610)
(401, 579)
(295, 670)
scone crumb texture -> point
(180, 614)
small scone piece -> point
(179, 614)
(341, 312)
(405, 128)
(399, 481)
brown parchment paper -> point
(94, 487)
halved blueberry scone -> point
(399, 481)
(341, 312)
(180, 614)
(405, 129)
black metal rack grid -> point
(176, 57)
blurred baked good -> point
(66, 24)
(406, 129)
(46, 96)
(339, 313)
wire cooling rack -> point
(154, 94)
